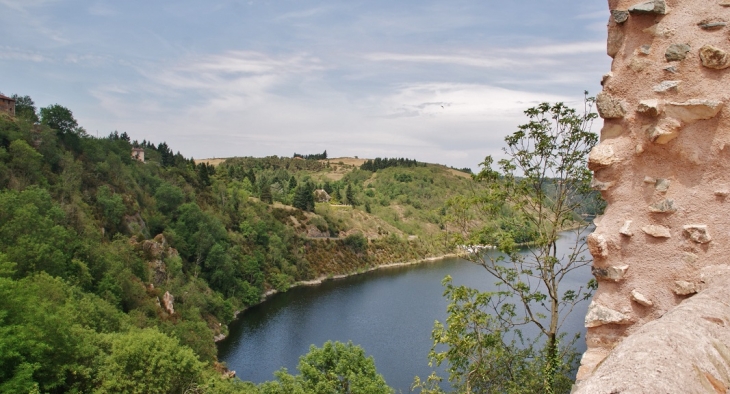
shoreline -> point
(318, 281)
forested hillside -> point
(110, 265)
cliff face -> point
(663, 165)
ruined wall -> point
(663, 164)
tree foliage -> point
(335, 368)
(542, 185)
(58, 118)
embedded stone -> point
(676, 52)
(600, 186)
(666, 86)
(725, 3)
(620, 16)
(639, 63)
(613, 273)
(664, 131)
(722, 193)
(690, 258)
(662, 185)
(645, 49)
(713, 57)
(626, 229)
(651, 107)
(693, 110)
(657, 231)
(599, 315)
(712, 24)
(659, 31)
(609, 107)
(639, 149)
(601, 156)
(614, 41)
(597, 245)
(650, 7)
(665, 206)
(698, 233)
(611, 131)
(671, 69)
(640, 298)
(682, 287)
(606, 77)
(648, 179)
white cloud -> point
(10, 53)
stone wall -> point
(663, 164)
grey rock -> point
(652, 107)
(676, 52)
(693, 110)
(599, 315)
(167, 301)
(600, 186)
(657, 231)
(645, 49)
(609, 107)
(650, 7)
(665, 130)
(671, 69)
(640, 298)
(682, 287)
(601, 156)
(613, 273)
(662, 185)
(665, 206)
(626, 229)
(714, 57)
(614, 41)
(698, 233)
(666, 86)
(712, 25)
(597, 245)
(620, 16)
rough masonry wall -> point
(663, 164)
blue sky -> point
(438, 81)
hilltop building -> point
(7, 105)
(138, 154)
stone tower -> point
(663, 165)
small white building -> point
(138, 154)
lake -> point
(389, 312)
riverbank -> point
(322, 279)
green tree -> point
(169, 197)
(59, 118)
(543, 182)
(147, 361)
(25, 164)
(25, 108)
(304, 197)
(335, 368)
(350, 195)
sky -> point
(436, 81)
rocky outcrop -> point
(684, 351)
(663, 167)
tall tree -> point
(25, 108)
(59, 118)
(543, 182)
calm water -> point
(390, 313)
